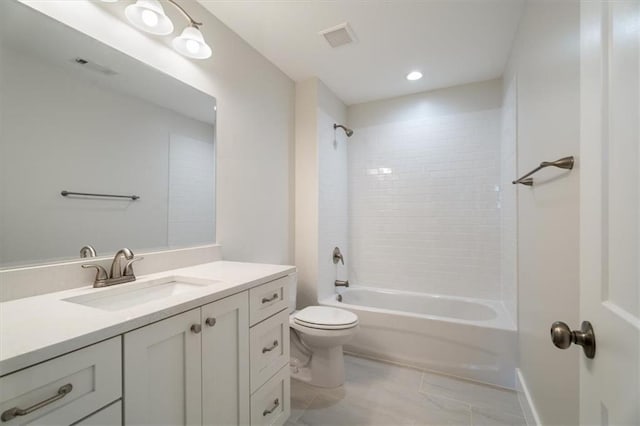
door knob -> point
(196, 328)
(562, 336)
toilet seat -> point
(325, 318)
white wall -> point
(94, 141)
(254, 194)
(545, 60)
(306, 191)
(424, 211)
(321, 191)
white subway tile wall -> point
(424, 205)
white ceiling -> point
(451, 41)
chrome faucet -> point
(119, 274)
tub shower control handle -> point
(562, 336)
(270, 348)
(276, 404)
(270, 299)
(15, 411)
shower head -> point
(347, 130)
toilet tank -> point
(293, 291)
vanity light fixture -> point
(149, 16)
(191, 44)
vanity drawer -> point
(269, 298)
(109, 416)
(271, 405)
(75, 385)
(269, 346)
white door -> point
(610, 210)
(162, 372)
(225, 361)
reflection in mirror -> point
(79, 116)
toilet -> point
(317, 336)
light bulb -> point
(150, 18)
(414, 75)
(192, 46)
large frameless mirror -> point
(96, 147)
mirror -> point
(79, 116)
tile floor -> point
(377, 393)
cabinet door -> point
(225, 361)
(162, 372)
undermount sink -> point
(136, 294)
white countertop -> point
(38, 328)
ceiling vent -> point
(339, 35)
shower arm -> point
(347, 131)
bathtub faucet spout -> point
(339, 283)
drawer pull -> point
(15, 411)
(276, 404)
(269, 349)
(270, 299)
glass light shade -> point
(149, 16)
(191, 44)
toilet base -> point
(326, 369)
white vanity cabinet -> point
(218, 363)
(64, 390)
(192, 368)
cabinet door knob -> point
(210, 321)
(196, 328)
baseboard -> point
(526, 403)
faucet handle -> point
(101, 273)
(128, 268)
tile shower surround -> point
(424, 205)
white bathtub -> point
(469, 338)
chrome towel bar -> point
(86, 194)
(562, 163)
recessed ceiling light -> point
(414, 75)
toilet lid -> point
(324, 316)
